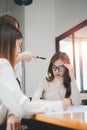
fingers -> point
(16, 126)
(13, 123)
(13, 127)
(66, 103)
(9, 126)
(71, 71)
(27, 56)
(69, 66)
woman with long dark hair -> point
(11, 95)
(60, 84)
(12, 121)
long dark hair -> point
(66, 78)
(8, 36)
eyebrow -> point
(57, 66)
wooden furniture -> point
(72, 120)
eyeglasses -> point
(60, 68)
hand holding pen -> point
(27, 56)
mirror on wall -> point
(74, 43)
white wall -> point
(69, 13)
(39, 38)
(2, 7)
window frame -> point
(71, 33)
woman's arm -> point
(15, 100)
(75, 94)
(25, 56)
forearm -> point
(75, 94)
(25, 56)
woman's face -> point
(58, 68)
(18, 45)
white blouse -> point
(13, 98)
(18, 71)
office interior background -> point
(41, 22)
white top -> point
(13, 98)
(18, 71)
(55, 90)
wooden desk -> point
(73, 120)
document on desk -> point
(80, 108)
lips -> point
(57, 75)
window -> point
(74, 43)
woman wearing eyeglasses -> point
(60, 84)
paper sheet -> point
(80, 108)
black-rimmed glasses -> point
(60, 68)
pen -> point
(41, 57)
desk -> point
(73, 120)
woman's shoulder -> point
(3, 60)
(5, 64)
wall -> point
(2, 7)
(69, 13)
(40, 39)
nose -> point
(57, 70)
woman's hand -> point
(66, 103)
(13, 123)
(25, 56)
(71, 71)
